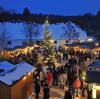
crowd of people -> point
(61, 76)
(61, 54)
(68, 76)
(29, 57)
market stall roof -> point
(85, 46)
(95, 64)
(93, 76)
(15, 30)
(73, 44)
(4, 65)
(17, 47)
(16, 73)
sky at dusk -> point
(60, 7)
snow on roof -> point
(6, 80)
(14, 74)
(56, 31)
(4, 65)
(82, 33)
(95, 64)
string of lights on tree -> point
(48, 54)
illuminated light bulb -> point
(29, 73)
(98, 87)
(96, 44)
(24, 78)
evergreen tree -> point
(48, 55)
(26, 12)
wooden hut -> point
(93, 78)
(17, 82)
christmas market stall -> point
(7, 53)
(16, 82)
(85, 47)
(93, 78)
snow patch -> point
(15, 73)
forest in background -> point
(88, 22)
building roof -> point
(15, 73)
(4, 65)
(95, 64)
(93, 76)
(17, 32)
(85, 46)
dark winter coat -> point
(72, 61)
(46, 93)
(89, 94)
(68, 95)
(37, 87)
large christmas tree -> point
(48, 54)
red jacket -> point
(49, 78)
(77, 83)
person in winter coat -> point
(46, 91)
(35, 75)
(89, 91)
(77, 85)
(37, 90)
(41, 77)
(72, 61)
(62, 79)
(55, 77)
(68, 94)
(83, 86)
(49, 78)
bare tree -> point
(4, 36)
(31, 29)
(70, 32)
